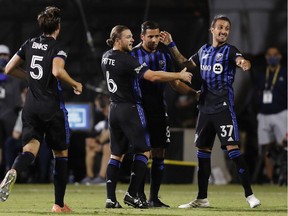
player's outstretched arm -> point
(243, 63)
(160, 76)
(166, 39)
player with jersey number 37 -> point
(217, 63)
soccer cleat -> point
(157, 204)
(133, 201)
(197, 203)
(7, 184)
(111, 204)
(144, 200)
(56, 208)
(253, 201)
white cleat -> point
(197, 203)
(7, 184)
(253, 201)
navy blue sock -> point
(157, 170)
(236, 156)
(138, 172)
(60, 179)
(204, 171)
(22, 161)
(112, 178)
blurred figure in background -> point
(98, 144)
(10, 102)
(272, 110)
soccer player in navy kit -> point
(44, 113)
(217, 64)
(154, 105)
(127, 122)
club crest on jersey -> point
(162, 64)
(219, 57)
(217, 68)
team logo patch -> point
(162, 64)
(219, 57)
(217, 68)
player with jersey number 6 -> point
(127, 123)
(217, 64)
(44, 113)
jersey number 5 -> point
(37, 67)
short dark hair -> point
(220, 17)
(148, 25)
(49, 19)
(115, 33)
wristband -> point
(172, 44)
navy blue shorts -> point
(54, 126)
(127, 124)
(224, 124)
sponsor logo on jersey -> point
(219, 57)
(224, 104)
(205, 67)
(40, 46)
(217, 68)
(61, 52)
(137, 70)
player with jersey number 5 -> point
(217, 64)
(127, 122)
(44, 113)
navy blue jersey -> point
(45, 92)
(279, 92)
(122, 72)
(152, 92)
(217, 68)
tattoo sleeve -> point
(180, 59)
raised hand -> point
(165, 38)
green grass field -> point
(30, 199)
